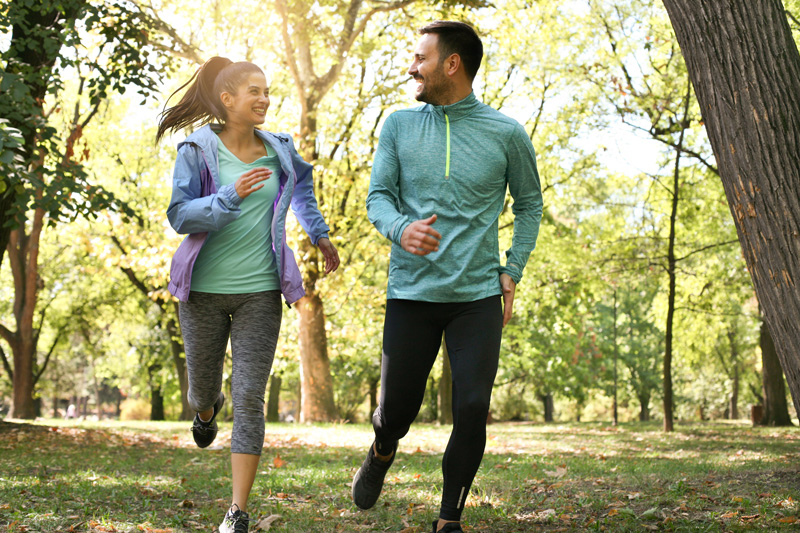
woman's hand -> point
(331, 255)
(251, 181)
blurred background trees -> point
(636, 305)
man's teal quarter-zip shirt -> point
(456, 162)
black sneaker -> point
(450, 527)
(204, 433)
(368, 481)
(235, 521)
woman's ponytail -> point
(200, 103)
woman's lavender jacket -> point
(200, 205)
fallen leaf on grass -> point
(649, 514)
(729, 514)
(788, 502)
(634, 495)
(751, 517)
(558, 472)
(278, 462)
(787, 520)
(265, 523)
(547, 514)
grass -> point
(135, 477)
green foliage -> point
(106, 46)
(575, 74)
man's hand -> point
(329, 252)
(509, 287)
(420, 238)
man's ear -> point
(452, 64)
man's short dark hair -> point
(457, 38)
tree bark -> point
(274, 399)
(446, 389)
(23, 251)
(644, 408)
(549, 408)
(156, 397)
(315, 370)
(373, 396)
(745, 68)
(776, 411)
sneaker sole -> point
(353, 493)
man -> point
(437, 189)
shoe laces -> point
(375, 470)
(238, 520)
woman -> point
(232, 187)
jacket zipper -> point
(447, 161)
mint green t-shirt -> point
(238, 259)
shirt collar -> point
(462, 108)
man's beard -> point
(433, 90)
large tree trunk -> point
(24, 351)
(745, 68)
(317, 402)
(156, 396)
(776, 412)
(549, 408)
(644, 407)
(315, 371)
(23, 251)
(299, 28)
(274, 399)
(446, 389)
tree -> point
(745, 69)
(301, 31)
(47, 183)
(776, 412)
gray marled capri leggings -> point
(252, 321)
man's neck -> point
(456, 95)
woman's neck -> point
(238, 136)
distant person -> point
(233, 185)
(437, 189)
(71, 412)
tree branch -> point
(704, 248)
(49, 353)
(291, 59)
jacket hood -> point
(206, 137)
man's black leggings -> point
(412, 336)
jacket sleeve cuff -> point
(315, 240)
(513, 271)
(229, 194)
